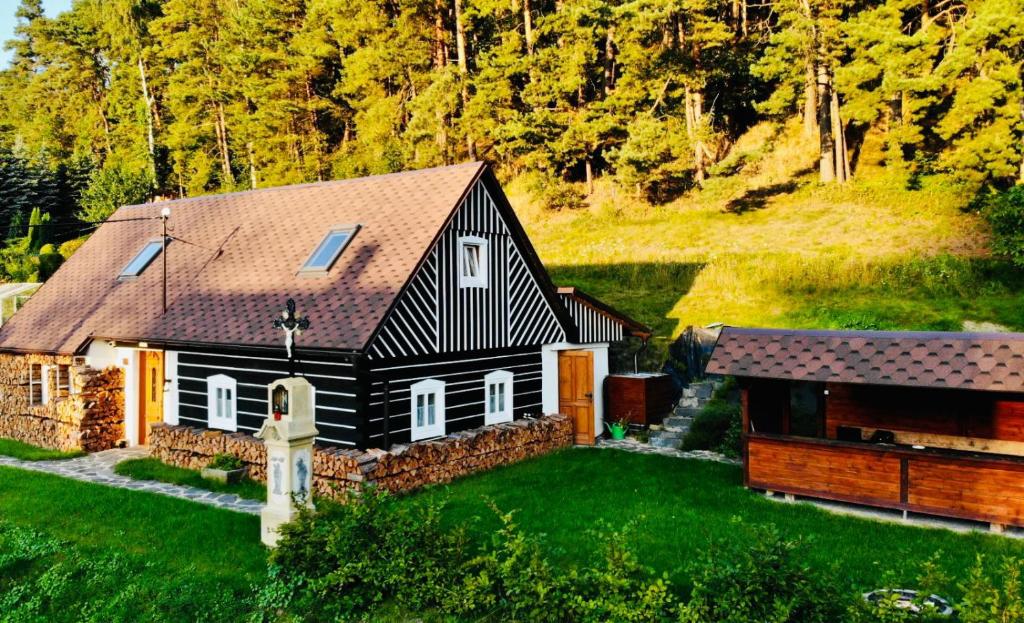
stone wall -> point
(90, 417)
(403, 468)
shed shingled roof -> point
(236, 259)
(990, 362)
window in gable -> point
(327, 252)
(221, 402)
(142, 260)
(472, 262)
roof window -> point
(142, 260)
(329, 249)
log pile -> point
(404, 468)
(429, 462)
(194, 448)
(90, 418)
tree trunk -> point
(842, 157)
(252, 165)
(810, 100)
(222, 143)
(694, 103)
(528, 27)
(150, 140)
(826, 156)
(609, 61)
(460, 42)
(590, 175)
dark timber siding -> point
(593, 325)
(436, 315)
(463, 376)
(338, 394)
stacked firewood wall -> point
(403, 468)
(88, 416)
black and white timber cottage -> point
(430, 311)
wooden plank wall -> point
(975, 488)
(857, 475)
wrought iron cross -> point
(291, 323)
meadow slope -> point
(763, 244)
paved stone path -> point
(632, 445)
(98, 468)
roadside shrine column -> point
(288, 434)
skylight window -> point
(329, 249)
(142, 260)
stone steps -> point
(677, 425)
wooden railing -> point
(951, 483)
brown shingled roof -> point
(240, 262)
(992, 362)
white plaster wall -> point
(549, 378)
(170, 387)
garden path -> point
(632, 445)
(98, 467)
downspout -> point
(636, 355)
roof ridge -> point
(958, 335)
(319, 184)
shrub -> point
(1005, 214)
(68, 248)
(226, 462)
(347, 558)
(758, 577)
(513, 577)
(717, 427)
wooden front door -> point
(576, 391)
(151, 392)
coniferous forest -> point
(118, 101)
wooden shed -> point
(922, 422)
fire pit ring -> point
(909, 600)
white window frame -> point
(480, 279)
(497, 413)
(33, 381)
(222, 402)
(423, 389)
(63, 391)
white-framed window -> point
(63, 380)
(427, 409)
(221, 402)
(498, 397)
(473, 259)
(36, 384)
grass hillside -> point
(763, 244)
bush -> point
(757, 578)
(717, 427)
(347, 558)
(68, 248)
(226, 462)
(1005, 214)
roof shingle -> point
(235, 261)
(991, 362)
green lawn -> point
(178, 550)
(26, 452)
(174, 554)
(684, 506)
(153, 469)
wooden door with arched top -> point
(151, 392)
